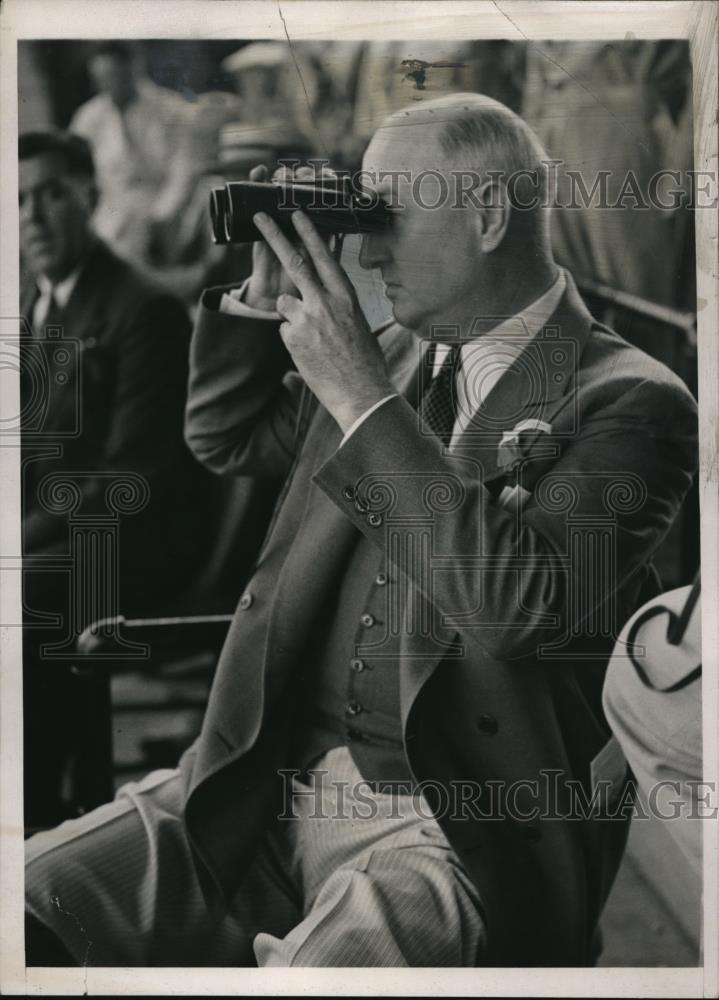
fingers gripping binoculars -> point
(333, 207)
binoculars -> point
(330, 203)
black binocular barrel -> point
(331, 207)
(218, 215)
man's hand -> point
(268, 278)
(325, 330)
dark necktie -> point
(438, 407)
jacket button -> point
(357, 665)
(374, 520)
(348, 493)
(354, 708)
(246, 600)
(487, 724)
(381, 579)
(367, 620)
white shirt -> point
(134, 151)
(61, 291)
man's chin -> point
(405, 316)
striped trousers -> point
(346, 878)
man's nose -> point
(373, 251)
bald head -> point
(473, 125)
(473, 139)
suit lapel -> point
(83, 314)
(540, 383)
(28, 300)
(324, 539)
(536, 386)
(318, 539)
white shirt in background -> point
(61, 291)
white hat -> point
(257, 54)
(242, 145)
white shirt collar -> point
(514, 333)
(486, 358)
(62, 290)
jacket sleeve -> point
(245, 405)
(517, 581)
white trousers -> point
(352, 879)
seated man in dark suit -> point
(103, 385)
(473, 496)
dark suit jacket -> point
(108, 399)
(502, 683)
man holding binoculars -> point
(420, 628)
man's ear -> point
(493, 214)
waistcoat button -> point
(381, 579)
(357, 665)
(354, 708)
(374, 520)
(348, 493)
(246, 600)
(367, 620)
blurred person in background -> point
(266, 78)
(621, 108)
(136, 132)
(279, 83)
(392, 74)
(221, 146)
(179, 248)
(125, 395)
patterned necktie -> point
(438, 407)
